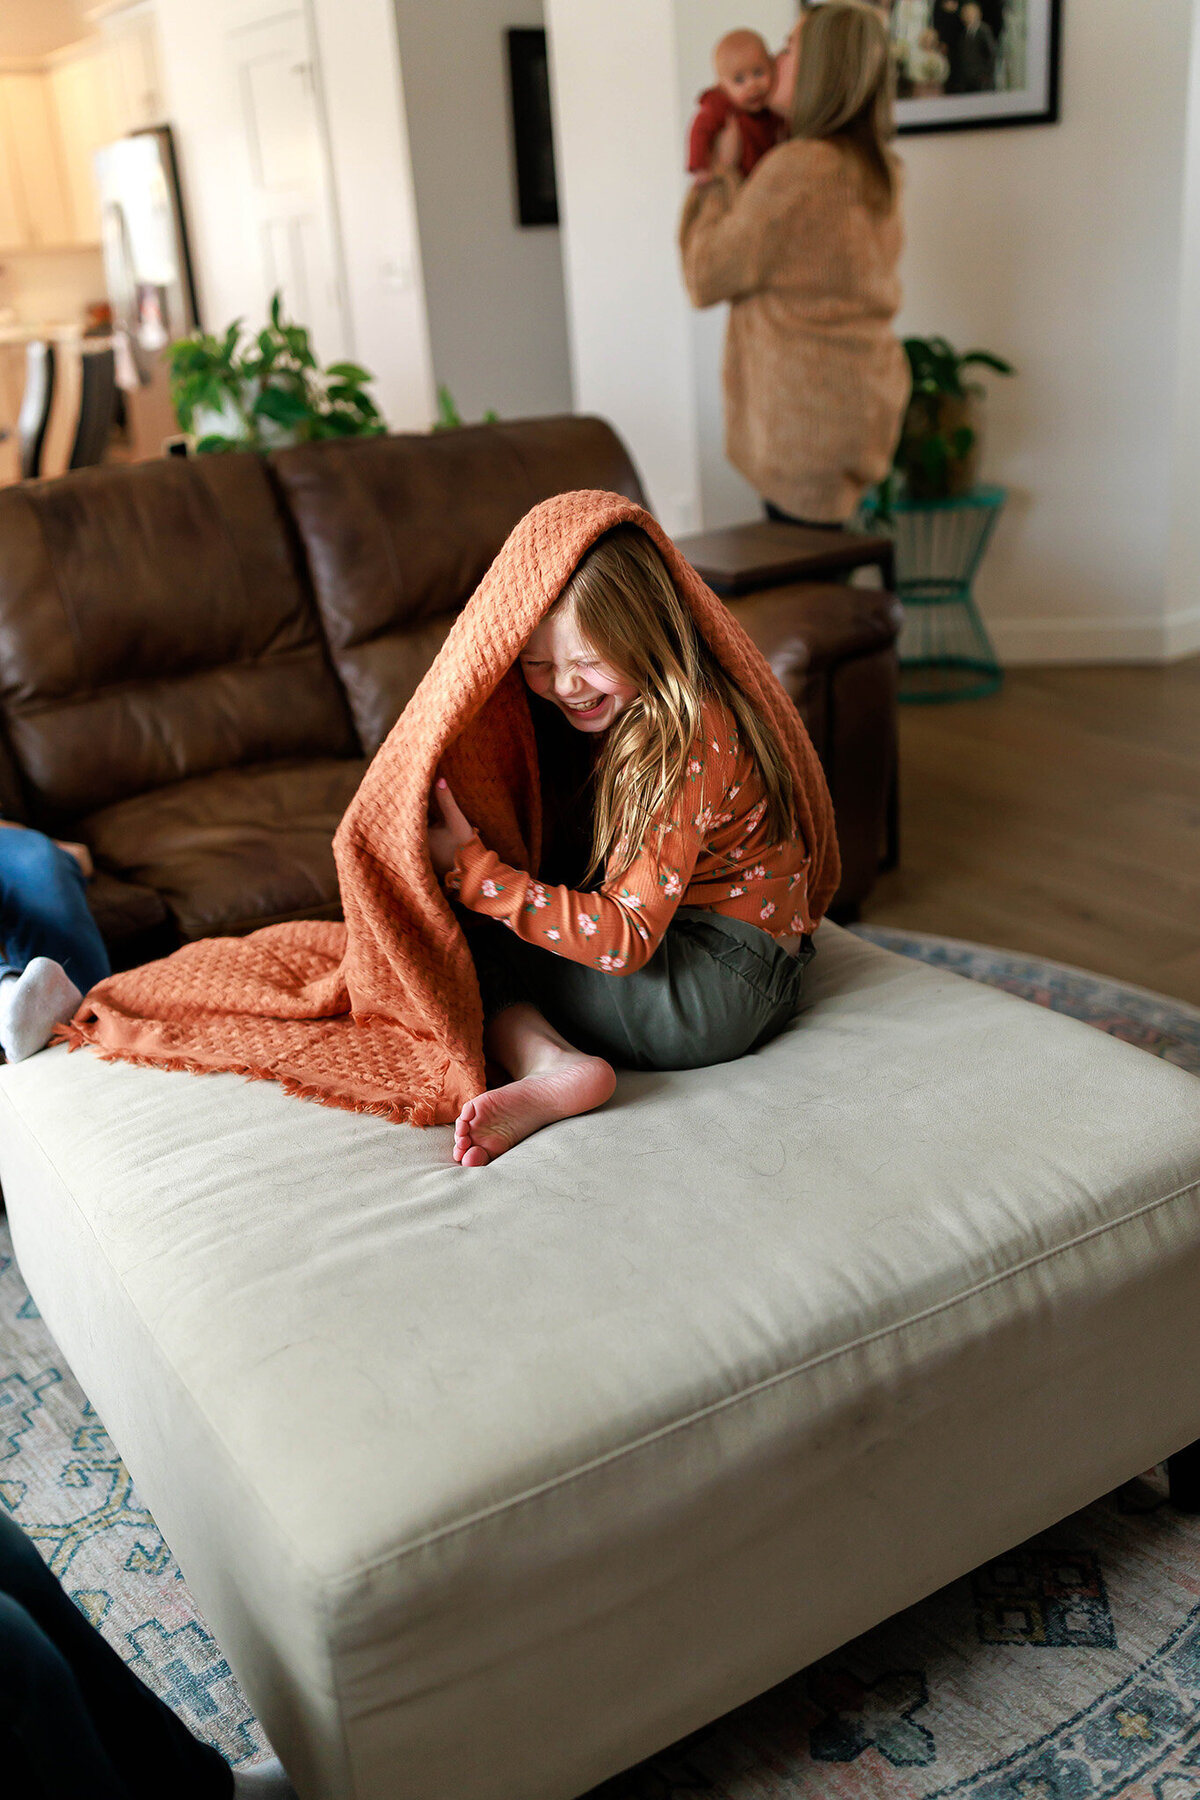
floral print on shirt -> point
(710, 851)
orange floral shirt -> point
(709, 851)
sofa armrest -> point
(805, 630)
(833, 650)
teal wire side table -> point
(945, 651)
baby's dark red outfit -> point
(760, 131)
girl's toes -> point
(475, 1158)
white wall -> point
(359, 81)
(625, 79)
(618, 151)
(494, 289)
(373, 183)
(1059, 247)
(1183, 557)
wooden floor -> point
(1059, 817)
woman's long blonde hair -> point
(624, 603)
(844, 84)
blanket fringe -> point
(396, 1112)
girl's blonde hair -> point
(624, 603)
(844, 84)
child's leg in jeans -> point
(44, 910)
(50, 949)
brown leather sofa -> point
(198, 657)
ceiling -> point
(31, 27)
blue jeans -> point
(44, 910)
(75, 1722)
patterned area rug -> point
(1067, 1670)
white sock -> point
(32, 1004)
(265, 1781)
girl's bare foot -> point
(564, 1083)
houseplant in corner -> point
(266, 391)
(938, 454)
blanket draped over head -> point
(382, 1014)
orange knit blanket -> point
(382, 1014)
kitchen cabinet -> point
(39, 211)
(131, 49)
(12, 223)
(87, 118)
(52, 118)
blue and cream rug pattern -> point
(1067, 1670)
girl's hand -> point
(455, 830)
(726, 150)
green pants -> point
(714, 989)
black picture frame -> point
(1037, 58)
(533, 136)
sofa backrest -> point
(399, 530)
(156, 623)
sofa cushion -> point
(123, 909)
(155, 624)
(399, 531)
(492, 1481)
(236, 850)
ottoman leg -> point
(1183, 1472)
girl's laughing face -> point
(561, 666)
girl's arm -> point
(620, 925)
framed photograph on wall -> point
(970, 63)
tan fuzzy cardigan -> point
(816, 381)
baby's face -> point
(561, 666)
(745, 70)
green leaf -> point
(963, 442)
(296, 339)
(216, 446)
(282, 405)
(276, 301)
(353, 398)
(348, 371)
(448, 416)
(987, 361)
(491, 416)
(336, 425)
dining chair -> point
(36, 403)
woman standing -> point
(806, 250)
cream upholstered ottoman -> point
(491, 1482)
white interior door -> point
(290, 198)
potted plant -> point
(938, 453)
(268, 391)
(448, 416)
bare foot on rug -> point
(553, 1081)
